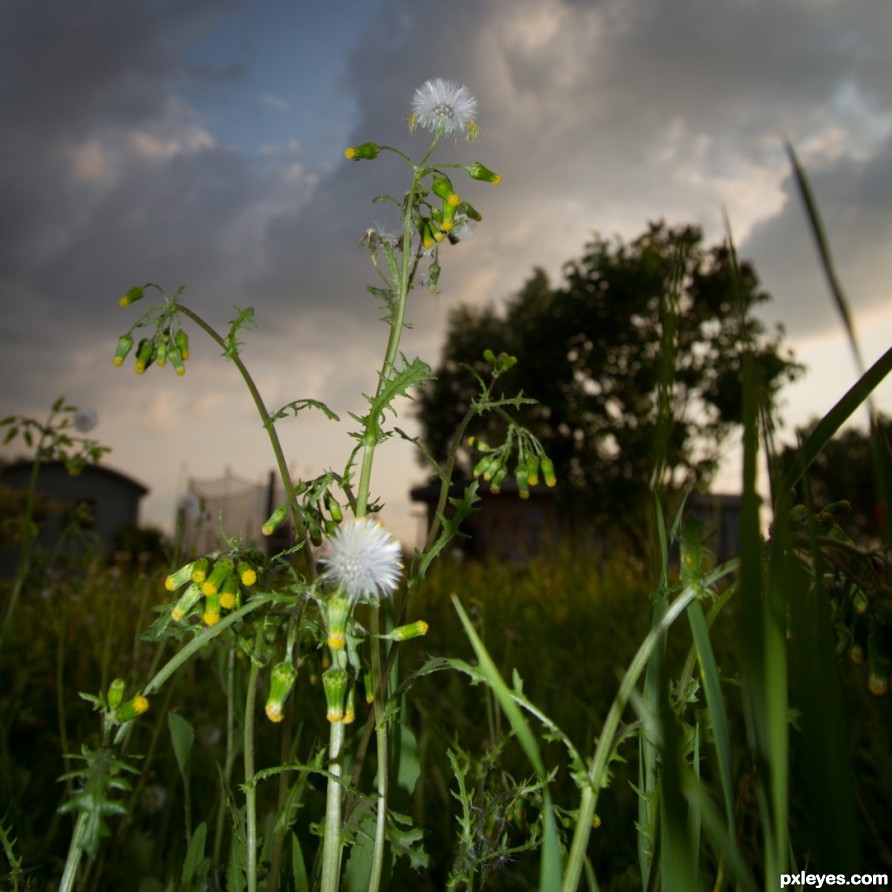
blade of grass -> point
(823, 756)
(827, 427)
(823, 246)
(762, 633)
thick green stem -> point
(331, 851)
(75, 851)
(250, 785)
(379, 686)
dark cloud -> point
(600, 117)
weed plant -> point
(581, 720)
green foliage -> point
(99, 779)
(633, 330)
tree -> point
(635, 362)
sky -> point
(200, 143)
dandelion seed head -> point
(444, 107)
(364, 560)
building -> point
(507, 528)
(98, 501)
(503, 526)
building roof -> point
(25, 465)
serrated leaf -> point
(297, 405)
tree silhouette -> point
(635, 362)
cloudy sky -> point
(201, 142)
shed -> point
(111, 497)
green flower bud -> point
(161, 351)
(334, 682)
(275, 519)
(281, 683)
(200, 569)
(433, 275)
(427, 233)
(334, 509)
(181, 339)
(176, 360)
(314, 529)
(180, 577)
(523, 486)
(247, 574)
(496, 486)
(548, 471)
(412, 630)
(469, 211)
(338, 613)
(486, 467)
(230, 593)
(478, 172)
(221, 572)
(116, 692)
(125, 345)
(367, 151)
(446, 219)
(144, 355)
(533, 469)
(369, 687)
(133, 295)
(131, 709)
(442, 188)
(211, 609)
(350, 709)
(186, 602)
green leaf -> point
(182, 736)
(297, 405)
(298, 866)
(196, 866)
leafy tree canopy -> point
(635, 362)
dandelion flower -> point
(85, 420)
(444, 107)
(364, 560)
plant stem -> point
(379, 686)
(230, 753)
(250, 785)
(331, 852)
(69, 875)
(270, 427)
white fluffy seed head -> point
(445, 107)
(364, 560)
